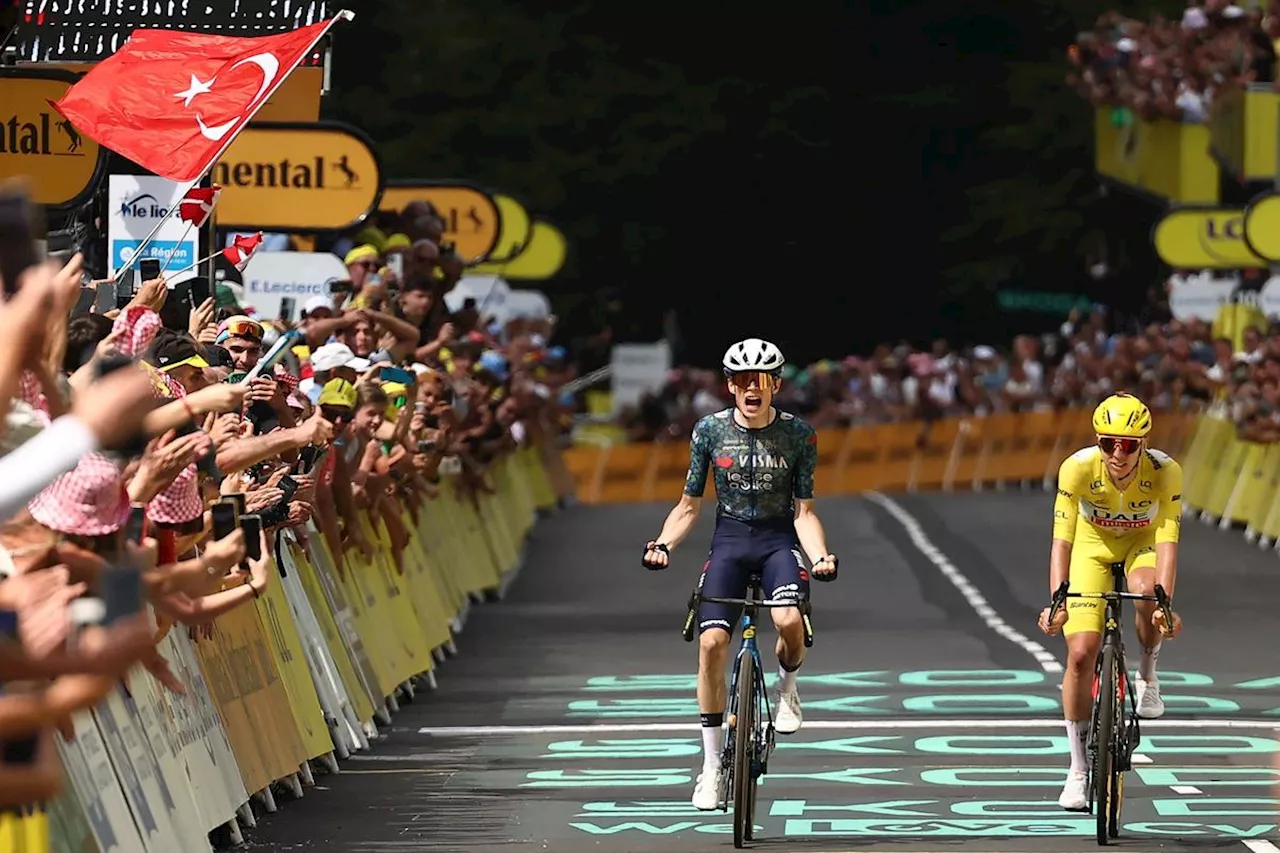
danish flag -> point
(197, 205)
(241, 250)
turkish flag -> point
(241, 250)
(172, 101)
(197, 205)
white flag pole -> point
(169, 259)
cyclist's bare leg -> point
(790, 645)
(1077, 692)
(713, 657)
(1143, 582)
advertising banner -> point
(471, 218)
(298, 178)
(60, 165)
(271, 276)
(135, 203)
(1204, 238)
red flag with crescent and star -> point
(173, 100)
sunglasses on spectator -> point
(245, 329)
(1128, 446)
(744, 380)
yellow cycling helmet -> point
(1123, 416)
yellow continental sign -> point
(61, 165)
(541, 258)
(471, 218)
(298, 177)
(1164, 158)
(1191, 238)
(514, 234)
(1262, 226)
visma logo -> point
(144, 206)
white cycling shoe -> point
(709, 789)
(1150, 705)
(789, 717)
(1073, 797)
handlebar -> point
(653, 566)
(1062, 593)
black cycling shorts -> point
(737, 550)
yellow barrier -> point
(265, 671)
(947, 454)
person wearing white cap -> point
(337, 361)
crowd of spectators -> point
(124, 431)
(1172, 68)
(1169, 363)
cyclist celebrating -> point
(764, 465)
(1130, 495)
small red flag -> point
(173, 100)
(241, 250)
(197, 205)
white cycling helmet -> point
(753, 354)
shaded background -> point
(831, 175)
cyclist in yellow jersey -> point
(1118, 501)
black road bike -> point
(1114, 732)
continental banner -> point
(1204, 238)
(540, 258)
(471, 218)
(1262, 226)
(60, 165)
(287, 177)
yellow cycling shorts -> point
(1090, 571)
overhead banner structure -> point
(541, 258)
(1204, 238)
(298, 177)
(1262, 226)
(471, 218)
(1163, 158)
(61, 166)
(1242, 130)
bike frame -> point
(748, 646)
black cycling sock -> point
(789, 668)
(712, 721)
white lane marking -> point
(1257, 845)
(1186, 789)
(1139, 758)
(970, 592)
(857, 725)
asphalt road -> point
(568, 721)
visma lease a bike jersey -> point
(758, 472)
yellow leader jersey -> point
(1152, 503)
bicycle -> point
(749, 742)
(1113, 735)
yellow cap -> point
(397, 241)
(361, 253)
(338, 392)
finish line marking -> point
(970, 592)
(1259, 846)
(819, 725)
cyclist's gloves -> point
(834, 562)
(654, 567)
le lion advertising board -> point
(59, 165)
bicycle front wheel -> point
(744, 749)
(1104, 753)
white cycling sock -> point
(1075, 739)
(786, 680)
(712, 740)
(1147, 663)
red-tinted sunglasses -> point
(1128, 446)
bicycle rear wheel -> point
(1104, 754)
(744, 749)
